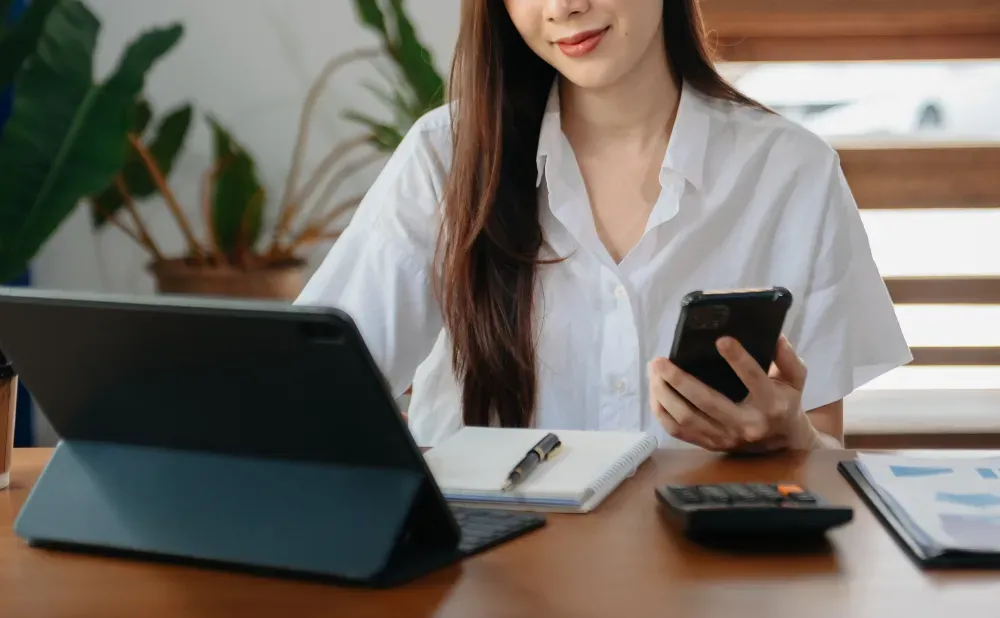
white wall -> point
(249, 63)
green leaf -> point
(385, 137)
(109, 201)
(403, 97)
(67, 137)
(222, 141)
(5, 9)
(142, 114)
(415, 60)
(419, 89)
(395, 100)
(165, 146)
(171, 134)
(20, 41)
(370, 13)
(238, 203)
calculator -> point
(750, 510)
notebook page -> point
(476, 460)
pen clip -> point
(555, 451)
(543, 456)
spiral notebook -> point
(471, 466)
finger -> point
(791, 369)
(684, 421)
(685, 414)
(692, 435)
(745, 423)
(704, 398)
(746, 367)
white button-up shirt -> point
(748, 199)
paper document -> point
(953, 502)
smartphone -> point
(753, 317)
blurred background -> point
(261, 122)
(907, 104)
(902, 100)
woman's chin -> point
(594, 77)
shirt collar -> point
(686, 150)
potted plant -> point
(234, 256)
(416, 85)
(65, 134)
(237, 257)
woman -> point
(522, 257)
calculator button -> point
(786, 490)
(767, 492)
(684, 494)
(714, 493)
(802, 496)
(740, 493)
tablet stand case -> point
(921, 549)
(257, 435)
(368, 526)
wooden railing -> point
(889, 176)
(763, 30)
(938, 176)
(923, 175)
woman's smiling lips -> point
(581, 44)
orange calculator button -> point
(785, 490)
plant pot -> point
(283, 281)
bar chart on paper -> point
(953, 502)
(911, 471)
(975, 500)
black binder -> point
(922, 550)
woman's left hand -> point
(769, 418)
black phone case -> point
(755, 318)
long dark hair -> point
(491, 235)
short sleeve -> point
(848, 333)
(380, 269)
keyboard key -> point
(483, 527)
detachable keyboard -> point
(485, 528)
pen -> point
(542, 451)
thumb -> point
(791, 369)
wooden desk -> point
(620, 560)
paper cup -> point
(8, 407)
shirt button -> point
(620, 386)
(620, 291)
